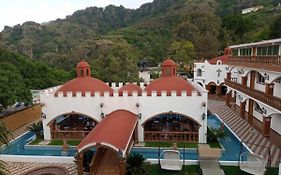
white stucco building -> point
(256, 87)
(211, 73)
(168, 108)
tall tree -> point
(275, 28)
(12, 86)
(182, 51)
(5, 134)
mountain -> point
(99, 34)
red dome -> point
(85, 84)
(169, 62)
(130, 88)
(82, 64)
(169, 84)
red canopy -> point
(115, 131)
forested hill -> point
(113, 39)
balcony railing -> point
(270, 100)
(272, 63)
(69, 135)
(171, 136)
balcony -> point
(271, 63)
(272, 101)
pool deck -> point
(245, 131)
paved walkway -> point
(244, 131)
(19, 168)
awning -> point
(115, 131)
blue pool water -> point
(230, 143)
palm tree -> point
(5, 134)
(136, 165)
(37, 128)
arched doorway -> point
(222, 89)
(171, 127)
(71, 126)
(212, 88)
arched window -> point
(88, 73)
(199, 72)
(219, 62)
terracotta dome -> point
(130, 88)
(84, 82)
(169, 62)
(169, 84)
(82, 64)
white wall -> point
(277, 89)
(275, 122)
(149, 106)
(209, 73)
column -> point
(269, 87)
(79, 163)
(242, 109)
(250, 111)
(122, 168)
(136, 135)
(228, 75)
(266, 126)
(228, 98)
(244, 81)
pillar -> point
(250, 111)
(266, 126)
(228, 98)
(136, 135)
(122, 168)
(269, 87)
(79, 163)
(242, 109)
(244, 81)
(228, 75)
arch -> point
(277, 79)
(163, 113)
(171, 126)
(212, 87)
(199, 73)
(222, 88)
(200, 84)
(72, 125)
(219, 62)
(73, 112)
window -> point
(246, 52)
(259, 51)
(199, 72)
(275, 50)
(235, 52)
(270, 50)
(258, 108)
(260, 79)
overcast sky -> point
(14, 12)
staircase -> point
(108, 164)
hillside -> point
(116, 36)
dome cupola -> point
(168, 68)
(83, 69)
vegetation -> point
(136, 165)
(36, 141)
(37, 128)
(114, 38)
(170, 144)
(60, 142)
(19, 74)
(194, 170)
(5, 134)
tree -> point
(5, 134)
(136, 165)
(12, 86)
(275, 28)
(182, 51)
(37, 128)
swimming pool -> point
(230, 143)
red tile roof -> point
(168, 62)
(85, 84)
(115, 130)
(169, 84)
(223, 58)
(130, 88)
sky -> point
(13, 12)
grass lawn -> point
(36, 141)
(194, 170)
(60, 142)
(170, 144)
